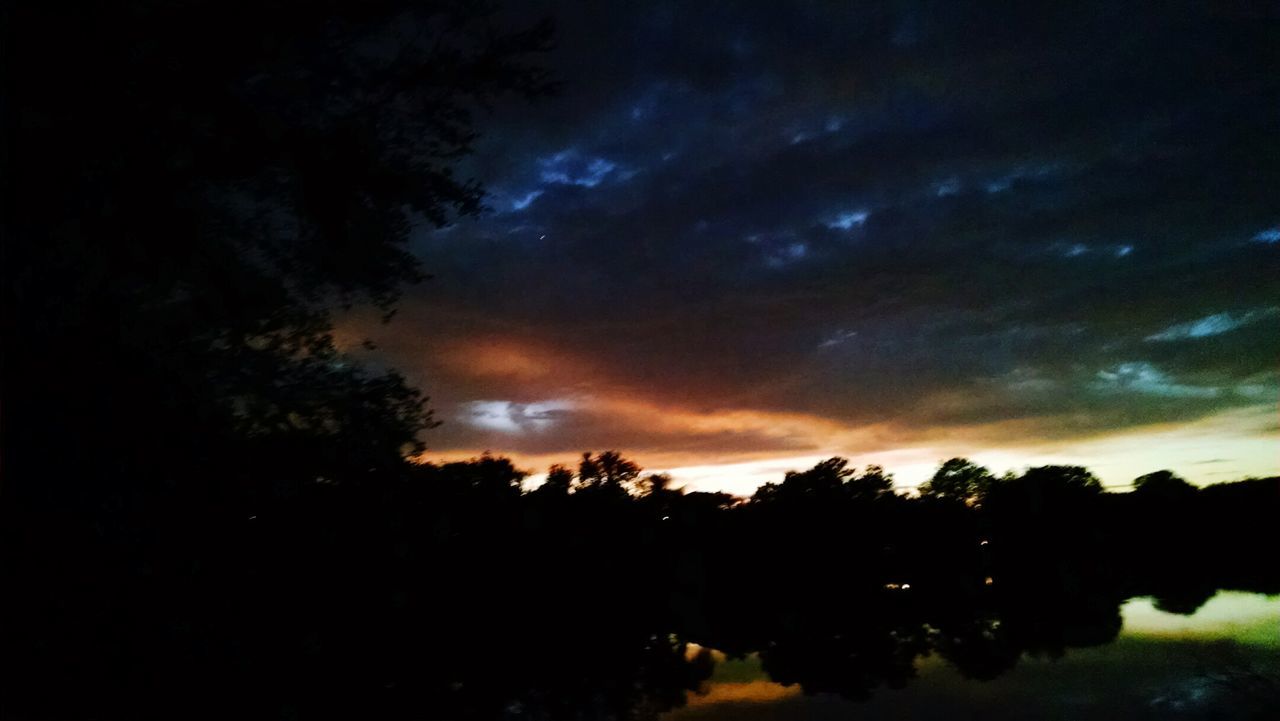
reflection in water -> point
(761, 690)
(1248, 618)
(1222, 662)
(449, 593)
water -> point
(1221, 662)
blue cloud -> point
(569, 167)
(1211, 325)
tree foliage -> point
(959, 479)
(202, 183)
(1165, 484)
(192, 189)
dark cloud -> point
(928, 213)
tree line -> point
(451, 591)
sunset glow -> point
(897, 246)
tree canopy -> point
(958, 479)
(202, 184)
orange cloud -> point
(734, 445)
(492, 356)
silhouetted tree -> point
(655, 484)
(260, 163)
(609, 470)
(874, 482)
(832, 480)
(485, 478)
(559, 480)
(958, 479)
(1053, 491)
(199, 488)
(824, 480)
(1162, 484)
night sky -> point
(748, 235)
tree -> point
(824, 481)
(656, 485)
(203, 184)
(607, 470)
(874, 482)
(958, 479)
(490, 478)
(1064, 478)
(1056, 490)
(830, 480)
(1162, 484)
(559, 479)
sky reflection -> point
(1242, 617)
(1163, 666)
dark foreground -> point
(447, 592)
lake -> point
(1220, 662)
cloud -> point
(525, 200)
(1212, 325)
(496, 357)
(1270, 235)
(1144, 378)
(848, 219)
(1034, 220)
(570, 167)
(511, 417)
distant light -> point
(906, 586)
(984, 542)
(666, 518)
(989, 581)
(542, 237)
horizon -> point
(741, 479)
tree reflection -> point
(449, 591)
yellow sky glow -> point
(1223, 447)
(735, 449)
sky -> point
(746, 236)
